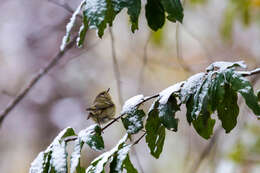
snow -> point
(165, 94)
(103, 158)
(59, 157)
(69, 26)
(37, 164)
(122, 153)
(135, 124)
(132, 103)
(192, 83)
(75, 156)
(222, 65)
(85, 136)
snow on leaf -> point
(190, 86)
(59, 157)
(132, 103)
(166, 93)
(69, 26)
(167, 113)
(222, 65)
(133, 122)
(75, 156)
(37, 164)
(97, 165)
(49, 157)
(92, 137)
(119, 158)
(155, 131)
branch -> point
(116, 67)
(34, 80)
(121, 115)
(249, 73)
(144, 63)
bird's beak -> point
(108, 90)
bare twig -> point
(205, 152)
(34, 80)
(250, 73)
(179, 49)
(121, 115)
(116, 67)
(139, 139)
(144, 63)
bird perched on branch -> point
(103, 108)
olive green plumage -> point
(103, 109)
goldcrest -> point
(103, 108)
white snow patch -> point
(131, 103)
(103, 158)
(85, 136)
(165, 94)
(222, 65)
(59, 157)
(75, 156)
(69, 26)
(36, 165)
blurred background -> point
(30, 35)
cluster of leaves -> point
(54, 158)
(215, 90)
(97, 14)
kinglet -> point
(103, 108)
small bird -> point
(103, 108)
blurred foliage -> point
(245, 11)
(245, 151)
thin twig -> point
(34, 80)
(144, 63)
(70, 138)
(249, 73)
(116, 67)
(139, 139)
(205, 152)
(179, 49)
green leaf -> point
(121, 160)
(132, 104)
(133, 122)
(155, 14)
(75, 156)
(54, 158)
(41, 163)
(167, 114)
(97, 165)
(97, 13)
(190, 86)
(133, 10)
(92, 137)
(258, 95)
(243, 86)
(228, 109)
(204, 125)
(223, 65)
(174, 9)
(202, 97)
(128, 166)
(82, 31)
(70, 25)
(59, 157)
(155, 131)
